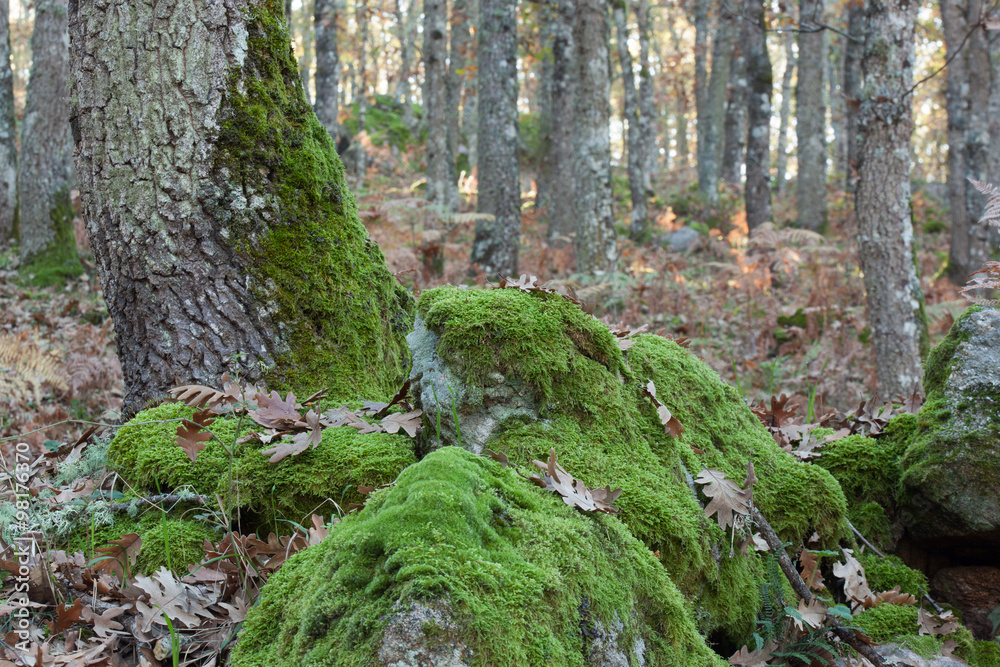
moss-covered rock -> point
(464, 558)
(146, 454)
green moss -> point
(289, 215)
(886, 573)
(937, 367)
(149, 459)
(983, 654)
(512, 562)
(59, 261)
(887, 621)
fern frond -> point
(987, 277)
(992, 194)
(24, 368)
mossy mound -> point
(590, 408)
(525, 579)
(884, 574)
(268, 494)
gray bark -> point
(994, 113)
(647, 100)
(48, 247)
(703, 110)
(835, 69)
(722, 55)
(8, 139)
(636, 155)
(735, 130)
(758, 186)
(495, 247)
(556, 178)
(223, 232)
(360, 161)
(885, 229)
(405, 29)
(811, 118)
(977, 135)
(470, 112)
(857, 27)
(441, 185)
(327, 64)
(781, 165)
(596, 239)
(458, 61)
(305, 63)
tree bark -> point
(596, 238)
(495, 247)
(838, 119)
(638, 223)
(977, 135)
(703, 110)
(305, 63)
(885, 229)
(723, 53)
(556, 178)
(327, 64)
(8, 132)
(48, 247)
(781, 165)
(470, 112)
(736, 114)
(441, 185)
(461, 50)
(758, 187)
(360, 155)
(811, 118)
(404, 27)
(224, 235)
(857, 27)
(647, 100)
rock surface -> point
(681, 240)
(975, 590)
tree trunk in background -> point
(647, 100)
(461, 47)
(810, 113)
(857, 28)
(470, 112)
(781, 165)
(556, 181)
(722, 55)
(224, 234)
(638, 227)
(702, 109)
(48, 247)
(596, 238)
(359, 150)
(327, 64)
(681, 112)
(404, 27)
(758, 187)
(977, 135)
(495, 247)
(838, 119)
(885, 230)
(736, 115)
(994, 45)
(441, 186)
(305, 63)
(8, 131)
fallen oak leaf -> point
(726, 497)
(810, 570)
(853, 574)
(66, 616)
(574, 492)
(812, 614)
(273, 412)
(124, 550)
(499, 457)
(944, 623)
(671, 425)
(104, 625)
(191, 436)
(408, 421)
(747, 658)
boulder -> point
(975, 590)
(681, 240)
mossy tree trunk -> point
(810, 114)
(8, 124)
(223, 232)
(48, 247)
(885, 228)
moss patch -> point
(343, 317)
(886, 573)
(513, 562)
(887, 621)
(59, 261)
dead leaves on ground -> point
(726, 497)
(671, 426)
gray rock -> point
(681, 240)
(903, 656)
(423, 635)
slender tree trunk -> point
(461, 47)
(781, 165)
(838, 121)
(360, 154)
(994, 45)
(224, 234)
(48, 247)
(305, 63)
(960, 261)
(441, 186)
(811, 118)
(682, 110)
(722, 55)
(327, 64)
(758, 187)
(885, 230)
(596, 239)
(647, 100)
(543, 178)
(977, 135)
(404, 26)
(638, 223)
(557, 178)
(495, 247)
(857, 28)
(703, 111)
(470, 112)
(8, 131)
(736, 114)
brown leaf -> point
(727, 497)
(944, 623)
(671, 425)
(813, 614)
(273, 412)
(66, 616)
(318, 530)
(169, 597)
(747, 658)
(408, 421)
(853, 574)
(893, 596)
(499, 457)
(574, 492)
(125, 548)
(200, 396)
(913, 402)
(810, 570)
(190, 436)
(104, 625)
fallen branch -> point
(169, 498)
(778, 549)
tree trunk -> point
(596, 239)
(647, 100)
(758, 187)
(857, 28)
(305, 64)
(977, 135)
(885, 230)
(8, 131)
(470, 112)
(224, 235)
(723, 52)
(461, 48)
(359, 146)
(781, 165)
(327, 64)
(703, 110)
(811, 118)
(835, 78)
(441, 185)
(48, 247)
(495, 247)
(638, 223)
(994, 45)
(736, 114)
(404, 23)
(556, 178)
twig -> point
(871, 546)
(171, 498)
(778, 549)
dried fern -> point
(992, 194)
(987, 277)
(24, 368)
